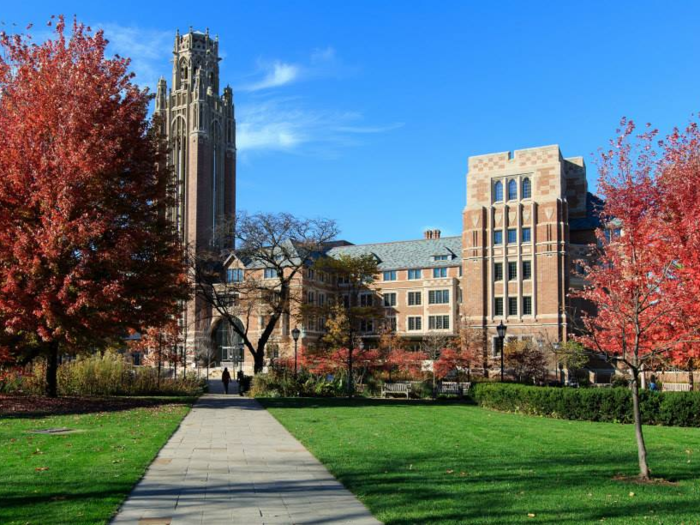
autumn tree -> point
(525, 359)
(159, 344)
(86, 252)
(272, 249)
(354, 274)
(645, 271)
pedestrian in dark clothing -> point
(226, 379)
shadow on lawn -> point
(547, 487)
(27, 407)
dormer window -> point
(441, 257)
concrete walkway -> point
(232, 462)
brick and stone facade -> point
(527, 219)
(200, 128)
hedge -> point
(591, 404)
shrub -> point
(106, 375)
(280, 384)
(590, 404)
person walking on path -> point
(226, 379)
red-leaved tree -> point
(641, 284)
(85, 249)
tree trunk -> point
(691, 371)
(52, 370)
(351, 387)
(259, 361)
(641, 446)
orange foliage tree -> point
(85, 249)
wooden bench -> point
(453, 389)
(676, 387)
(403, 389)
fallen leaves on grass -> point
(41, 469)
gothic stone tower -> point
(201, 131)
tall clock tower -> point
(200, 127)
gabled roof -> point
(408, 254)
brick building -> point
(528, 217)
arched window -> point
(527, 188)
(498, 192)
(512, 190)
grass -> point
(439, 463)
(82, 477)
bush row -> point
(101, 375)
(591, 404)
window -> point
(311, 298)
(526, 234)
(389, 299)
(498, 192)
(414, 298)
(392, 323)
(441, 257)
(321, 299)
(270, 273)
(495, 346)
(439, 272)
(438, 322)
(234, 275)
(460, 270)
(459, 296)
(498, 307)
(527, 270)
(415, 323)
(527, 305)
(512, 190)
(390, 275)
(438, 296)
(512, 271)
(346, 301)
(527, 188)
(366, 300)
(414, 274)
(497, 237)
(512, 306)
(512, 235)
(498, 272)
(312, 274)
(366, 325)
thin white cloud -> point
(148, 50)
(287, 125)
(277, 74)
(369, 129)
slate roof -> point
(408, 254)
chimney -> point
(436, 234)
(428, 234)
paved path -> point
(232, 462)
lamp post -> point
(501, 329)
(295, 335)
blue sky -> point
(366, 112)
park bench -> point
(676, 387)
(402, 389)
(453, 389)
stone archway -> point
(225, 343)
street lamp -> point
(501, 329)
(295, 335)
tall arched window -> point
(498, 192)
(512, 190)
(527, 188)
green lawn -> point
(82, 477)
(417, 462)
